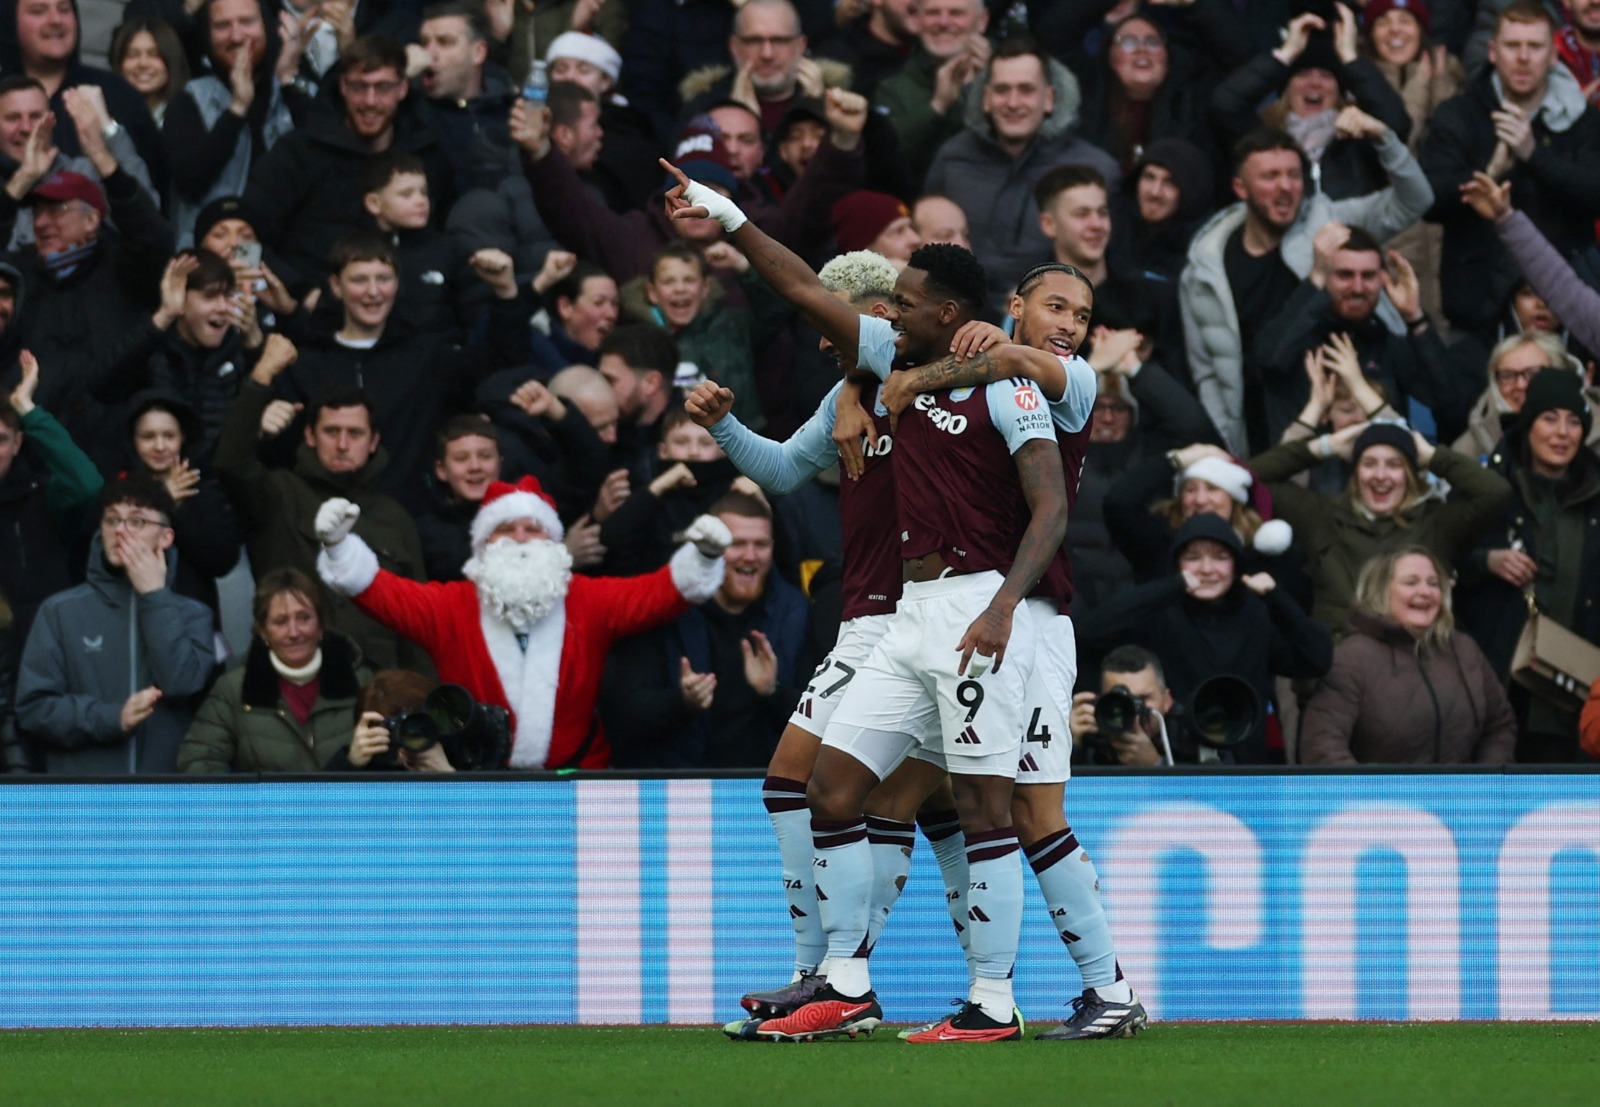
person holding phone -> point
(198, 344)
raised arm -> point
(778, 265)
(1577, 305)
(779, 467)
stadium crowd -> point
(310, 294)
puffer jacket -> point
(244, 726)
(1383, 701)
(1211, 322)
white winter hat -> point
(503, 503)
(586, 47)
(1233, 479)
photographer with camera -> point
(1207, 620)
(1125, 723)
(409, 721)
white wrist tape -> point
(717, 206)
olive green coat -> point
(1339, 537)
(245, 726)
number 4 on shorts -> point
(1037, 733)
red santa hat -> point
(503, 503)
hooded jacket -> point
(996, 190)
(1211, 322)
(244, 726)
(95, 645)
(206, 531)
(1163, 248)
(1558, 188)
(1385, 701)
(125, 105)
(307, 192)
(1239, 634)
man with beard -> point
(307, 192)
(1350, 292)
(521, 631)
(904, 704)
(713, 689)
(1246, 260)
(876, 45)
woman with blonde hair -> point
(1512, 365)
(1387, 501)
(1405, 686)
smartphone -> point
(249, 253)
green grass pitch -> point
(1248, 1064)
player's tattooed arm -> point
(1045, 489)
(997, 363)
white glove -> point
(336, 518)
(710, 536)
(717, 206)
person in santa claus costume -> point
(521, 631)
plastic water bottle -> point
(536, 88)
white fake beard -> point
(521, 582)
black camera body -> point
(474, 735)
(1116, 711)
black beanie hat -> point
(1206, 525)
(1552, 389)
(223, 207)
(1386, 434)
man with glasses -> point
(770, 66)
(113, 668)
(308, 191)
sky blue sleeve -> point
(1075, 408)
(1020, 412)
(875, 346)
(781, 467)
